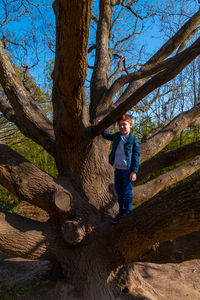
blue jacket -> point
(131, 149)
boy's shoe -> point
(117, 218)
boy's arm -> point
(135, 157)
(106, 135)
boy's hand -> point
(133, 176)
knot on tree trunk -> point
(73, 232)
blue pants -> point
(124, 189)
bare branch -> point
(165, 217)
(169, 73)
(168, 48)
(146, 191)
(22, 43)
(118, 70)
(10, 115)
(134, 12)
(167, 159)
(156, 143)
(124, 79)
(127, 37)
(20, 99)
(91, 48)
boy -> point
(124, 157)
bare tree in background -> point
(80, 202)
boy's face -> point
(124, 127)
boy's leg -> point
(119, 189)
(127, 192)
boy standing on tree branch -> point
(124, 157)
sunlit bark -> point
(146, 191)
(167, 159)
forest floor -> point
(22, 279)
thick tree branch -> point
(31, 184)
(40, 128)
(167, 216)
(167, 159)
(8, 111)
(72, 32)
(157, 142)
(146, 191)
(184, 43)
(196, 123)
(184, 248)
(118, 69)
(99, 82)
(10, 115)
(26, 238)
(169, 73)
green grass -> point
(16, 289)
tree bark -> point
(146, 191)
(28, 182)
(99, 80)
(167, 159)
(72, 31)
(176, 251)
(169, 215)
(26, 238)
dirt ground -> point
(22, 279)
